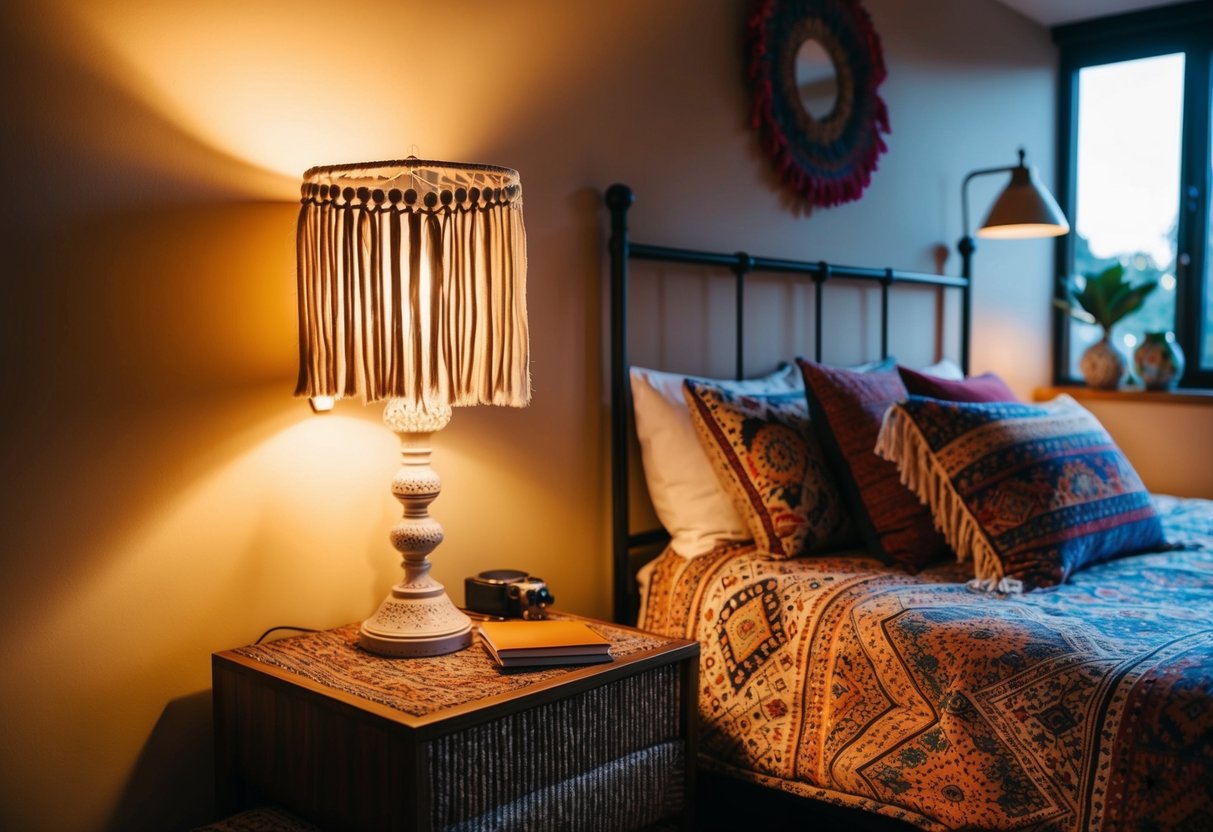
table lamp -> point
(412, 289)
(1023, 210)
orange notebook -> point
(537, 643)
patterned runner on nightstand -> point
(416, 686)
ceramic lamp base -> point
(416, 621)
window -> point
(1135, 163)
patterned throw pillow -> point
(1032, 493)
(687, 498)
(987, 387)
(846, 408)
(767, 458)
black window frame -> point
(1183, 27)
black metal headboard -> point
(624, 542)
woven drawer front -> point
(491, 765)
(629, 793)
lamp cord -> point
(261, 638)
(479, 616)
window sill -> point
(1129, 394)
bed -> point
(1008, 691)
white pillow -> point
(687, 496)
(946, 369)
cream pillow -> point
(687, 496)
(946, 369)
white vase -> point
(1103, 366)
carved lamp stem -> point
(417, 618)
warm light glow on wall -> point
(279, 518)
(265, 82)
(1001, 349)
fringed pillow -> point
(846, 408)
(1032, 493)
(765, 455)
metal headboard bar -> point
(750, 263)
(619, 199)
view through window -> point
(1136, 165)
(1130, 118)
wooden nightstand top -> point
(439, 694)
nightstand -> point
(354, 741)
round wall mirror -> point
(816, 79)
(815, 67)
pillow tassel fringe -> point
(902, 443)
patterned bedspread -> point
(1085, 707)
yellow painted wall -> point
(164, 497)
(1170, 445)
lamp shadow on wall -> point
(178, 759)
(150, 309)
(152, 291)
(88, 140)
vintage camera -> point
(509, 593)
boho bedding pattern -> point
(1088, 706)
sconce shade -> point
(412, 284)
(1024, 209)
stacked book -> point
(539, 643)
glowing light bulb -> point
(321, 404)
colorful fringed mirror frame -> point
(827, 159)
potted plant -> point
(1104, 299)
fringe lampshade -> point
(412, 284)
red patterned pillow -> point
(846, 409)
(984, 388)
(766, 456)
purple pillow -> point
(984, 388)
(846, 409)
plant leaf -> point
(1108, 298)
(1074, 310)
(1093, 300)
(1130, 301)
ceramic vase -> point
(1102, 365)
(1159, 361)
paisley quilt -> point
(1086, 706)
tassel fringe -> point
(412, 284)
(902, 443)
